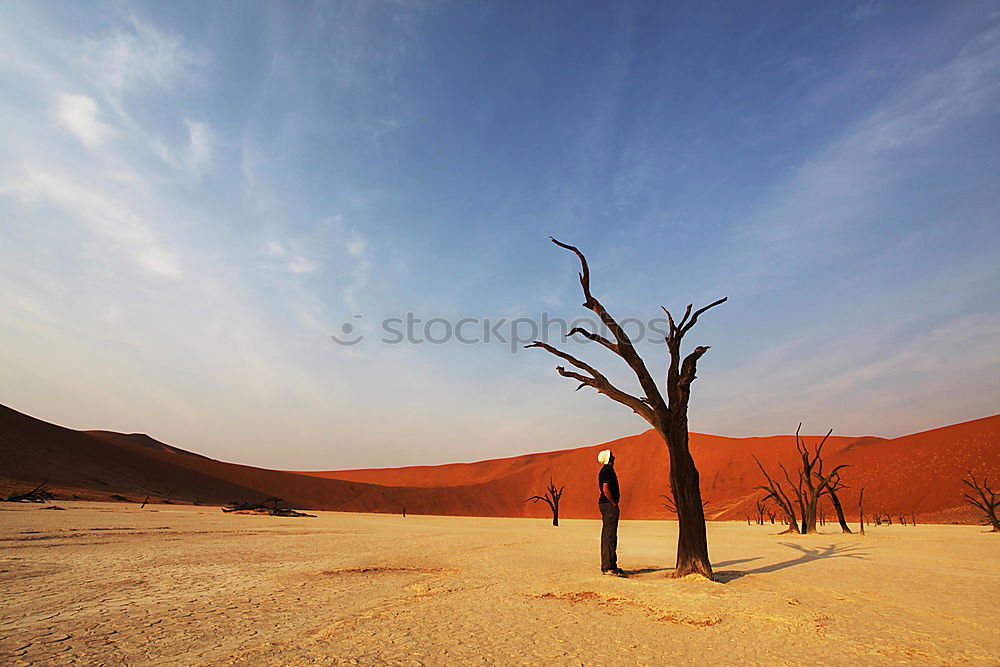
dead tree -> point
(551, 498)
(807, 489)
(36, 495)
(668, 416)
(776, 493)
(983, 497)
(761, 510)
(271, 506)
(861, 511)
(811, 482)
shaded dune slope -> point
(918, 473)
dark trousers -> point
(609, 536)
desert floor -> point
(110, 583)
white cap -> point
(604, 457)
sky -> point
(194, 197)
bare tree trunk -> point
(692, 539)
(840, 511)
(809, 519)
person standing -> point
(607, 481)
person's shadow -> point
(806, 555)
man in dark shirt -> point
(607, 481)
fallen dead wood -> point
(269, 506)
(36, 495)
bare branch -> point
(596, 337)
(690, 365)
(694, 318)
(623, 345)
(598, 382)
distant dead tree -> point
(667, 416)
(861, 511)
(983, 497)
(809, 485)
(761, 509)
(272, 506)
(667, 501)
(777, 493)
(35, 495)
(551, 498)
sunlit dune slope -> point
(918, 473)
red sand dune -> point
(918, 473)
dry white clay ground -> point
(112, 584)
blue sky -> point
(194, 197)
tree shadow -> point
(653, 569)
(734, 562)
(808, 554)
(647, 569)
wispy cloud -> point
(79, 114)
(357, 250)
(103, 215)
(291, 261)
(201, 145)
(137, 55)
(864, 11)
(838, 192)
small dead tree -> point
(775, 492)
(761, 510)
(668, 416)
(271, 506)
(861, 511)
(667, 501)
(551, 498)
(36, 495)
(984, 498)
